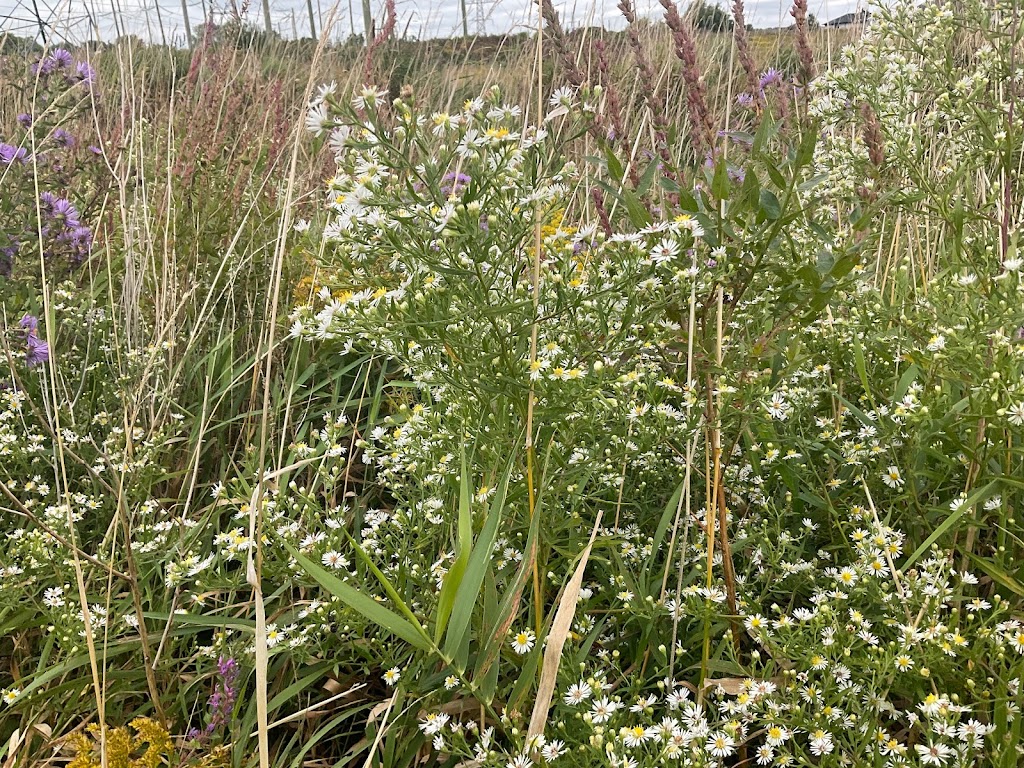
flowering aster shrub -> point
(580, 455)
(41, 166)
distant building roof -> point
(849, 19)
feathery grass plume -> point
(654, 103)
(739, 32)
(613, 103)
(701, 128)
(613, 107)
(803, 45)
(556, 35)
(390, 14)
(872, 135)
(602, 213)
(873, 142)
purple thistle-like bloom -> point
(63, 138)
(25, 120)
(62, 58)
(86, 74)
(62, 210)
(745, 100)
(457, 182)
(37, 351)
(10, 153)
(772, 76)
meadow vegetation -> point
(628, 399)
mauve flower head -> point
(61, 58)
(772, 76)
(10, 153)
(63, 138)
(456, 181)
(81, 236)
(29, 324)
(25, 120)
(63, 211)
(745, 100)
(86, 74)
(37, 351)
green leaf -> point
(997, 574)
(509, 603)
(479, 561)
(720, 181)
(615, 169)
(362, 604)
(464, 541)
(908, 377)
(667, 517)
(770, 205)
(949, 522)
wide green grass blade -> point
(479, 561)
(464, 542)
(362, 604)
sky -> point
(416, 18)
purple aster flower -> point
(745, 100)
(29, 324)
(94, 149)
(81, 236)
(61, 58)
(37, 351)
(25, 120)
(10, 153)
(63, 211)
(63, 138)
(457, 181)
(86, 74)
(772, 76)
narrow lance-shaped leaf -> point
(453, 579)
(362, 604)
(479, 561)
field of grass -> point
(579, 399)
